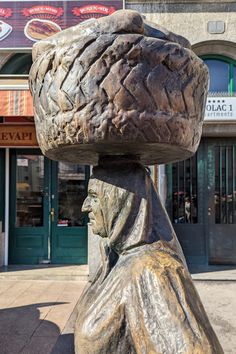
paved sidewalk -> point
(219, 300)
(45, 272)
(37, 316)
(213, 273)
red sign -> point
(93, 9)
(36, 10)
(22, 23)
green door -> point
(186, 190)
(222, 201)
(68, 223)
(46, 223)
(201, 202)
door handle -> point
(209, 211)
(52, 212)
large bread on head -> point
(115, 86)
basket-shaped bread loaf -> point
(115, 86)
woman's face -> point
(92, 206)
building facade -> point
(40, 199)
(200, 193)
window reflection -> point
(225, 182)
(71, 194)
(184, 197)
(219, 75)
(29, 190)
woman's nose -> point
(86, 207)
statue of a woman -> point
(142, 299)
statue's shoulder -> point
(153, 261)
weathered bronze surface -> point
(119, 92)
(142, 299)
(118, 85)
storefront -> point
(46, 222)
(41, 202)
(201, 191)
(40, 199)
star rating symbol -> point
(218, 101)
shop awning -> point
(16, 103)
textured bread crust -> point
(118, 85)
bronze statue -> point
(119, 92)
(117, 85)
(142, 299)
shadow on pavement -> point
(64, 344)
(23, 331)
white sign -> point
(22, 162)
(220, 108)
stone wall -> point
(191, 19)
(196, 20)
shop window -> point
(29, 190)
(234, 76)
(182, 204)
(18, 64)
(222, 75)
(71, 194)
(225, 181)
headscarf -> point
(133, 214)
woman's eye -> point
(92, 194)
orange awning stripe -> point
(16, 103)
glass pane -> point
(19, 63)
(29, 190)
(193, 189)
(234, 77)
(225, 179)
(217, 185)
(223, 187)
(230, 186)
(71, 194)
(219, 75)
(184, 197)
(175, 188)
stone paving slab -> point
(37, 317)
(45, 272)
(219, 300)
(214, 273)
(34, 314)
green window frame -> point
(18, 64)
(231, 71)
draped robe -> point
(142, 300)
